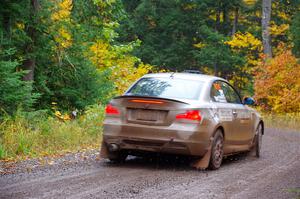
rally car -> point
(181, 113)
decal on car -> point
(225, 114)
(244, 115)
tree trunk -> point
(5, 34)
(226, 24)
(217, 25)
(29, 62)
(265, 22)
(7, 27)
(235, 21)
(216, 68)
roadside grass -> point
(296, 191)
(290, 121)
(39, 135)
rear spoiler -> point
(148, 97)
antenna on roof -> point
(172, 75)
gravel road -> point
(275, 175)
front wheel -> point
(217, 151)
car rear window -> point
(167, 88)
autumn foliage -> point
(277, 84)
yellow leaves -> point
(20, 26)
(104, 3)
(246, 40)
(208, 70)
(63, 11)
(66, 5)
(281, 48)
(239, 81)
(66, 117)
(57, 113)
(124, 73)
(64, 38)
(121, 63)
(278, 29)
(250, 2)
(102, 54)
(277, 84)
(199, 45)
(63, 117)
(283, 15)
(249, 45)
(189, 6)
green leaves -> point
(295, 30)
(14, 92)
(170, 32)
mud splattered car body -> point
(180, 113)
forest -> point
(61, 61)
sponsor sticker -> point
(244, 115)
(225, 114)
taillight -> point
(190, 115)
(111, 110)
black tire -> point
(217, 151)
(117, 157)
(258, 141)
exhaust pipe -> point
(113, 147)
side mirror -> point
(248, 101)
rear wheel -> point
(217, 151)
(258, 141)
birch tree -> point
(265, 22)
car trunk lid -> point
(150, 110)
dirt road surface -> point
(275, 175)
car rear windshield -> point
(167, 88)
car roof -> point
(189, 76)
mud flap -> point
(103, 150)
(204, 161)
(252, 147)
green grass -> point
(40, 135)
(2, 152)
(289, 121)
(296, 191)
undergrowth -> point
(28, 135)
(289, 121)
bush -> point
(277, 85)
(38, 135)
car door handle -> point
(234, 113)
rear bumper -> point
(187, 139)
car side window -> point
(223, 92)
(230, 94)
(217, 93)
